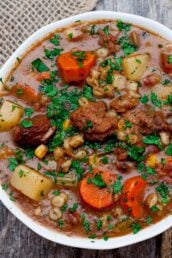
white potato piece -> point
(135, 66)
(10, 115)
(163, 91)
(30, 182)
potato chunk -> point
(10, 115)
(135, 66)
(30, 182)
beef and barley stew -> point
(86, 130)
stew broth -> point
(86, 136)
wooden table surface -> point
(16, 240)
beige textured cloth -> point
(20, 18)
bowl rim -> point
(47, 233)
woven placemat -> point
(20, 18)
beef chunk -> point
(123, 103)
(109, 41)
(146, 120)
(93, 120)
(39, 133)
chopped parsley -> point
(50, 90)
(165, 82)
(128, 48)
(153, 139)
(97, 180)
(170, 59)
(85, 223)
(80, 57)
(155, 101)
(29, 153)
(106, 30)
(154, 208)
(169, 150)
(104, 160)
(28, 112)
(56, 192)
(77, 167)
(93, 29)
(148, 220)
(60, 223)
(105, 238)
(39, 65)
(21, 173)
(64, 207)
(99, 224)
(4, 186)
(136, 227)
(117, 186)
(168, 101)
(123, 26)
(163, 190)
(150, 171)
(127, 124)
(70, 35)
(109, 77)
(88, 125)
(115, 64)
(50, 54)
(26, 123)
(19, 92)
(55, 40)
(88, 92)
(11, 196)
(136, 153)
(144, 99)
(74, 207)
(12, 163)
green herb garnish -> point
(39, 65)
(123, 26)
(26, 123)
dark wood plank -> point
(16, 240)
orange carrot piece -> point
(43, 76)
(132, 196)
(25, 93)
(95, 197)
(166, 65)
(71, 70)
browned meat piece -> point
(39, 133)
(109, 41)
(123, 103)
(145, 120)
(121, 154)
(93, 120)
(151, 79)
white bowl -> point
(76, 241)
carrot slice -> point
(43, 76)
(25, 93)
(166, 65)
(73, 71)
(95, 196)
(132, 196)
